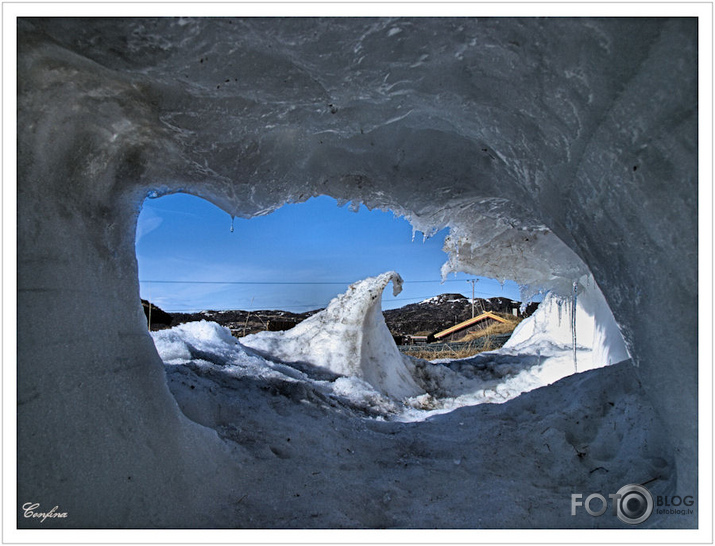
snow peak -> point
(30, 507)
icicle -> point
(232, 223)
(573, 324)
(413, 234)
(559, 305)
(424, 238)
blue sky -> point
(295, 259)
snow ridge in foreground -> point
(346, 353)
(349, 337)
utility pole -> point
(473, 281)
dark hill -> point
(156, 317)
(428, 316)
(243, 323)
(443, 311)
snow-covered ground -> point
(333, 406)
(346, 353)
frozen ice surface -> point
(552, 148)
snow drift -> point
(579, 331)
(346, 353)
(563, 336)
(349, 337)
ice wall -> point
(553, 324)
(567, 145)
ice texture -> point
(552, 149)
(552, 326)
(349, 337)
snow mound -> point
(209, 343)
(186, 341)
(211, 347)
(347, 355)
(544, 348)
(349, 338)
(208, 348)
(566, 336)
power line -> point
(309, 306)
(283, 282)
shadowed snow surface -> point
(328, 431)
(341, 464)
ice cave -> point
(561, 153)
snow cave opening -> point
(344, 350)
(495, 127)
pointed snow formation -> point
(349, 337)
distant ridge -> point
(440, 312)
(428, 316)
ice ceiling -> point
(550, 147)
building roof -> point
(468, 323)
